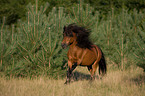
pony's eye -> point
(70, 35)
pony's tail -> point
(102, 65)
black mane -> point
(81, 33)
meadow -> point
(115, 83)
(32, 62)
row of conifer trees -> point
(32, 48)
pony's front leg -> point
(71, 67)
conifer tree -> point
(139, 51)
(38, 40)
(7, 46)
(83, 15)
(116, 36)
(33, 48)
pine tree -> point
(7, 46)
(116, 37)
(83, 15)
(139, 51)
(33, 47)
(39, 51)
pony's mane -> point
(82, 34)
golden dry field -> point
(116, 83)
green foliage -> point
(32, 48)
(38, 40)
(116, 36)
(140, 46)
(13, 10)
(16, 9)
(80, 15)
(7, 45)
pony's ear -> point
(64, 27)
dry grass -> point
(116, 83)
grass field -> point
(116, 83)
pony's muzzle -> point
(64, 45)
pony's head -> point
(68, 36)
(73, 33)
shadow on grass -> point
(80, 76)
(139, 79)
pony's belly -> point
(88, 61)
(89, 58)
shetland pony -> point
(82, 52)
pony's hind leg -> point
(92, 69)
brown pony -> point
(82, 51)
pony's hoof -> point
(67, 82)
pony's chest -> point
(75, 53)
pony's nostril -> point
(63, 45)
